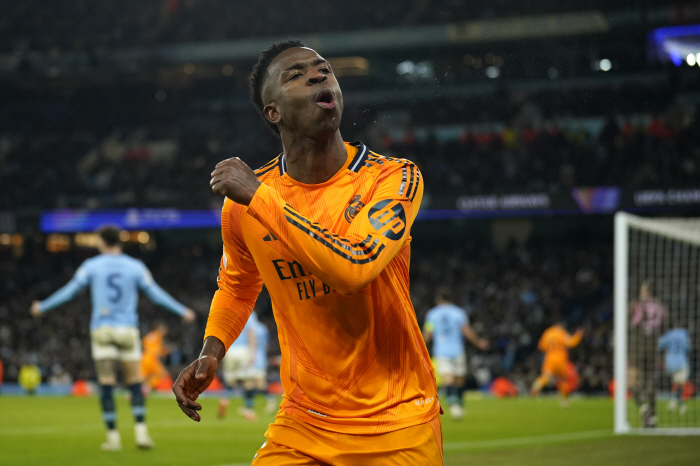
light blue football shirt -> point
(114, 281)
(446, 322)
(242, 339)
(263, 338)
(676, 344)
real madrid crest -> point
(355, 206)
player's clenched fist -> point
(234, 179)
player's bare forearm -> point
(196, 378)
(575, 339)
(234, 179)
(479, 342)
(213, 347)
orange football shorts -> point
(291, 442)
(555, 366)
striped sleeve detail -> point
(373, 158)
(413, 185)
(410, 178)
(269, 166)
(358, 253)
(404, 179)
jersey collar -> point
(356, 159)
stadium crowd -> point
(551, 159)
(46, 25)
(166, 162)
(511, 295)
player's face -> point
(301, 93)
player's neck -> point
(313, 161)
(115, 251)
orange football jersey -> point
(555, 342)
(153, 344)
(334, 257)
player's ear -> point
(272, 113)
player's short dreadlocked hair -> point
(259, 75)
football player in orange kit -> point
(326, 226)
(152, 368)
(555, 343)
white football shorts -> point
(455, 367)
(680, 376)
(120, 343)
(236, 365)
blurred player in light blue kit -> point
(676, 345)
(114, 279)
(238, 367)
(447, 325)
(262, 335)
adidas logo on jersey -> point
(270, 237)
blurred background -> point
(531, 121)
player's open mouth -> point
(326, 100)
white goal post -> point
(656, 310)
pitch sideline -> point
(515, 441)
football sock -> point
(540, 383)
(442, 393)
(138, 408)
(451, 394)
(652, 404)
(685, 391)
(249, 398)
(637, 395)
(563, 389)
(460, 394)
(107, 402)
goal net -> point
(657, 300)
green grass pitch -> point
(517, 432)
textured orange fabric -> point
(571, 382)
(294, 443)
(555, 342)
(555, 365)
(334, 257)
(152, 368)
(153, 343)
